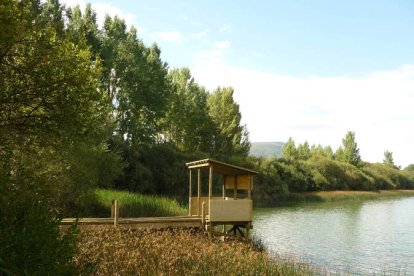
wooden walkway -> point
(134, 223)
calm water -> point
(367, 238)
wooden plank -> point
(157, 222)
(242, 182)
(230, 210)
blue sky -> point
(311, 70)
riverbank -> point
(176, 252)
(332, 196)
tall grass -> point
(175, 252)
(134, 205)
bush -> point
(31, 242)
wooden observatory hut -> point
(231, 206)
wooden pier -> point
(231, 213)
(135, 223)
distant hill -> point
(266, 149)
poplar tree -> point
(349, 151)
(230, 136)
(289, 150)
(388, 159)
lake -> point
(365, 237)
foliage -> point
(388, 159)
(349, 151)
(231, 138)
(289, 150)
(31, 242)
(188, 124)
(303, 151)
(387, 177)
(53, 126)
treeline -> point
(84, 107)
(305, 168)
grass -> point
(175, 252)
(337, 196)
(134, 205)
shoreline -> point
(331, 196)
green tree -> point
(135, 80)
(303, 151)
(349, 151)
(53, 127)
(187, 123)
(388, 159)
(409, 168)
(231, 137)
(289, 150)
(328, 152)
(83, 29)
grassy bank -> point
(334, 196)
(174, 252)
(133, 205)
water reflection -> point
(367, 237)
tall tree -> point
(83, 28)
(53, 122)
(388, 159)
(135, 80)
(187, 122)
(349, 151)
(289, 150)
(303, 151)
(231, 137)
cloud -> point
(377, 106)
(222, 44)
(225, 28)
(200, 35)
(167, 36)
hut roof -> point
(219, 167)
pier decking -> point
(135, 223)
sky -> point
(310, 70)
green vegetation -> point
(334, 196)
(83, 107)
(176, 252)
(309, 169)
(134, 205)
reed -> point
(176, 252)
(135, 205)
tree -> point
(231, 137)
(303, 151)
(188, 124)
(349, 151)
(289, 150)
(135, 80)
(83, 29)
(328, 153)
(53, 127)
(388, 159)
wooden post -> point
(210, 182)
(199, 191)
(235, 187)
(115, 211)
(224, 186)
(249, 192)
(189, 197)
(202, 214)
